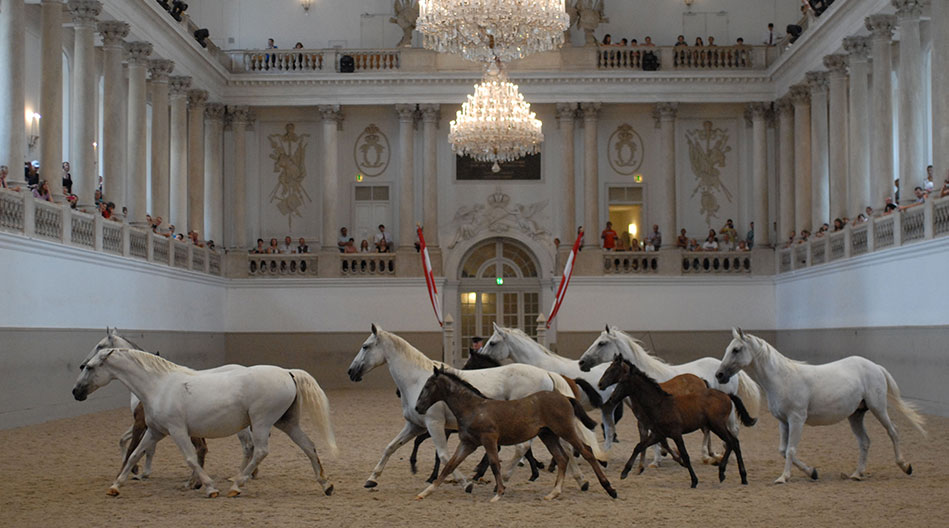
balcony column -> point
(113, 107)
(881, 121)
(785, 109)
(912, 131)
(759, 185)
(940, 95)
(240, 118)
(406, 175)
(51, 95)
(137, 167)
(859, 127)
(178, 92)
(837, 129)
(159, 69)
(431, 114)
(591, 183)
(13, 88)
(214, 172)
(566, 115)
(85, 88)
(820, 181)
(332, 121)
(801, 98)
(196, 104)
(664, 187)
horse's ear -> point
(496, 327)
(617, 357)
(374, 329)
(736, 333)
(109, 331)
(741, 335)
(435, 370)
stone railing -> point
(716, 262)
(911, 225)
(630, 262)
(367, 264)
(22, 214)
(311, 61)
(276, 265)
(718, 57)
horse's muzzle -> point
(721, 377)
(584, 365)
(79, 394)
(355, 374)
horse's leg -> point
(708, 452)
(124, 444)
(640, 447)
(491, 451)
(574, 468)
(183, 441)
(556, 450)
(436, 427)
(300, 438)
(247, 448)
(438, 464)
(408, 432)
(863, 442)
(138, 431)
(534, 463)
(201, 449)
(684, 455)
(413, 458)
(879, 410)
(464, 449)
(574, 440)
(260, 433)
(519, 451)
(609, 428)
(795, 427)
(148, 442)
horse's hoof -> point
(624, 474)
(533, 477)
(652, 465)
(113, 492)
(780, 480)
(603, 463)
(585, 486)
(328, 491)
(612, 492)
(721, 477)
(695, 483)
(233, 493)
(370, 484)
(495, 498)
(640, 469)
(469, 487)
(909, 469)
(540, 465)
(814, 474)
(214, 494)
(419, 497)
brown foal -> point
(492, 423)
(671, 416)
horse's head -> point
(433, 391)
(370, 356)
(478, 361)
(112, 339)
(602, 350)
(498, 346)
(738, 355)
(93, 374)
(617, 371)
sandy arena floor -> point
(56, 474)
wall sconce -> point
(34, 130)
(306, 5)
(688, 3)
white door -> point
(372, 208)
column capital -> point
(197, 98)
(240, 115)
(758, 110)
(858, 47)
(332, 113)
(84, 12)
(159, 69)
(112, 32)
(214, 112)
(800, 94)
(138, 52)
(590, 110)
(817, 81)
(836, 63)
(664, 112)
(908, 8)
(881, 26)
(179, 85)
(566, 111)
(784, 106)
(431, 113)
(406, 112)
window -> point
(626, 213)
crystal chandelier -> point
(496, 124)
(485, 30)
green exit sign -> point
(500, 281)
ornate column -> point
(137, 165)
(240, 117)
(214, 172)
(785, 109)
(837, 130)
(332, 118)
(113, 106)
(912, 131)
(431, 113)
(159, 70)
(406, 175)
(801, 98)
(51, 96)
(566, 115)
(13, 87)
(85, 93)
(820, 183)
(591, 183)
(196, 103)
(881, 122)
(664, 187)
(759, 185)
(178, 211)
(940, 95)
(858, 167)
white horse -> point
(182, 403)
(800, 394)
(613, 341)
(519, 347)
(410, 369)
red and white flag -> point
(565, 279)
(429, 277)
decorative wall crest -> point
(707, 149)
(498, 215)
(371, 151)
(625, 150)
(289, 155)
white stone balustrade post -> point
(759, 186)
(85, 88)
(820, 178)
(881, 121)
(406, 228)
(836, 65)
(196, 103)
(940, 95)
(785, 110)
(448, 340)
(159, 69)
(591, 180)
(97, 223)
(66, 235)
(566, 116)
(332, 118)
(137, 167)
(801, 98)
(858, 168)
(214, 172)
(912, 99)
(178, 87)
(664, 186)
(13, 88)
(51, 96)
(126, 239)
(240, 117)
(114, 107)
(541, 323)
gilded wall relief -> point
(498, 215)
(289, 155)
(371, 152)
(625, 150)
(708, 147)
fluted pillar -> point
(431, 113)
(406, 175)
(13, 87)
(912, 131)
(113, 108)
(940, 95)
(759, 185)
(85, 88)
(801, 98)
(214, 172)
(820, 181)
(178, 87)
(664, 187)
(332, 117)
(591, 180)
(858, 167)
(566, 115)
(51, 95)
(881, 120)
(137, 166)
(838, 129)
(196, 104)
(240, 117)
(158, 70)
(785, 109)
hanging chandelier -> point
(496, 124)
(485, 30)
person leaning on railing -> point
(4, 172)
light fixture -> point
(485, 30)
(306, 5)
(34, 129)
(496, 124)
(633, 230)
(689, 3)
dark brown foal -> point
(493, 423)
(671, 416)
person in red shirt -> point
(609, 237)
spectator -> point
(869, 211)
(682, 241)
(556, 243)
(711, 41)
(929, 185)
(861, 218)
(155, 223)
(729, 234)
(382, 240)
(838, 225)
(694, 245)
(750, 237)
(624, 43)
(634, 245)
(609, 237)
(98, 197)
(32, 174)
(896, 187)
(4, 172)
(680, 41)
(822, 230)
(582, 237)
(72, 200)
(273, 248)
(607, 40)
(771, 38)
(654, 239)
(171, 231)
(270, 58)
(287, 245)
(476, 344)
(41, 192)
(193, 235)
(945, 188)
(699, 43)
(739, 41)
(180, 236)
(342, 239)
(298, 45)
(302, 247)
(711, 241)
(109, 208)
(791, 238)
(351, 246)
(260, 249)
(805, 234)
(889, 207)
(382, 246)
(648, 42)
(742, 245)
(920, 198)
(364, 246)
(125, 212)
(67, 178)
(211, 245)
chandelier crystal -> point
(489, 30)
(496, 124)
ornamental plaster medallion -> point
(371, 151)
(289, 155)
(497, 216)
(707, 149)
(626, 150)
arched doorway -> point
(499, 282)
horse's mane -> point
(463, 383)
(153, 363)
(635, 371)
(760, 346)
(131, 343)
(636, 345)
(408, 351)
(517, 332)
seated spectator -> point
(699, 43)
(682, 241)
(791, 238)
(342, 239)
(742, 245)
(838, 224)
(680, 41)
(287, 245)
(260, 249)
(711, 42)
(694, 245)
(351, 246)
(364, 246)
(607, 40)
(381, 239)
(273, 248)
(41, 192)
(302, 247)
(648, 42)
(634, 245)
(889, 207)
(861, 218)
(711, 241)
(654, 239)
(609, 237)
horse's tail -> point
(746, 418)
(591, 393)
(578, 411)
(314, 403)
(908, 409)
(561, 385)
(750, 392)
(584, 426)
